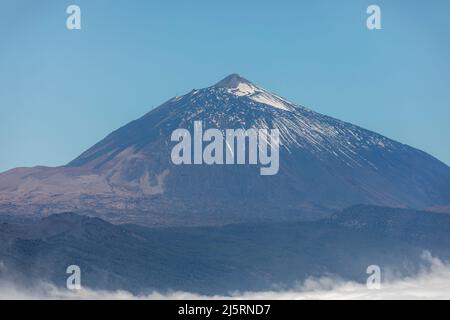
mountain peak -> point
(241, 87)
(232, 81)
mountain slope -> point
(325, 165)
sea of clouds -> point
(432, 282)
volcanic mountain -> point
(325, 165)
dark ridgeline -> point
(223, 259)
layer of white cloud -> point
(432, 283)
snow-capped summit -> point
(325, 165)
(241, 87)
(232, 81)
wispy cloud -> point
(432, 283)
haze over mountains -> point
(325, 165)
(222, 259)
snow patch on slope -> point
(257, 94)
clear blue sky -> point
(61, 91)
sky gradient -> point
(63, 90)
